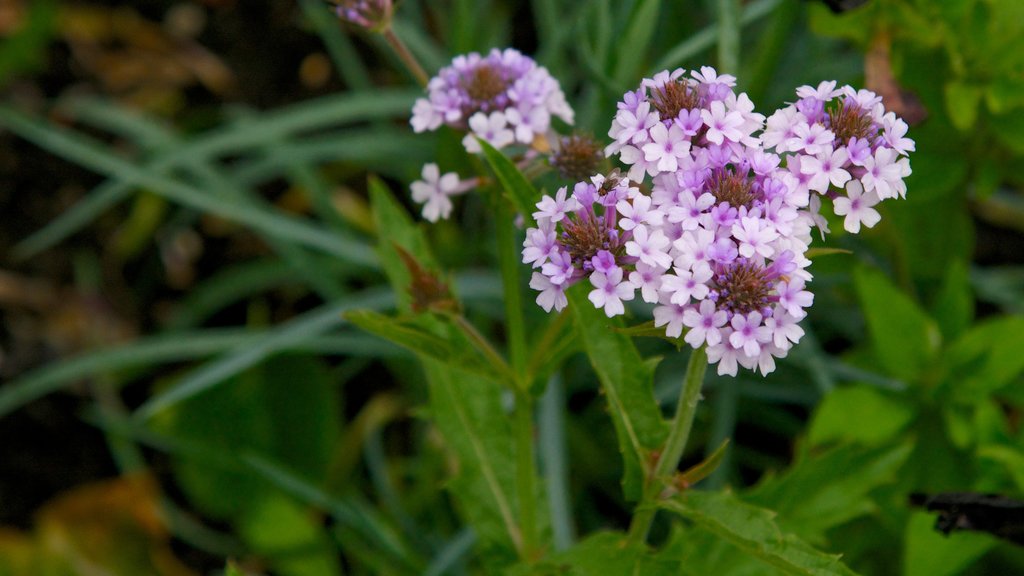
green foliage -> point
(352, 422)
(753, 531)
(626, 381)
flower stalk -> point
(672, 453)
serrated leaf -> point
(602, 554)
(396, 228)
(628, 385)
(753, 530)
(517, 188)
(904, 339)
(416, 334)
(829, 489)
(468, 411)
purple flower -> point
(503, 97)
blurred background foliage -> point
(186, 217)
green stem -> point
(509, 261)
(728, 36)
(405, 56)
(672, 453)
(526, 472)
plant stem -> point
(672, 453)
(526, 471)
(405, 55)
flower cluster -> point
(845, 146)
(503, 97)
(370, 14)
(719, 244)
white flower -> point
(722, 124)
(754, 237)
(668, 146)
(555, 208)
(857, 207)
(433, 192)
(825, 168)
(551, 295)
(637, 213)
(686, 284)
(704, 324)
(883, 175)
(811, 138)
(670, 316)
(609, 291)
(748, 333)
(649, 248)
(493, 129)
(647, 279)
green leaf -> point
(291, 539)
(704, 468)
(987, 358)
(928, 552)
(753, 530)
(826, 490)
(452, 349)
(296, 424)
(904, 339)
(517, 188)
(396, 228)
(815, 252)
(627, 382)
(288, 335)
(962, 100)
(954, 305)
(859, 414)
(1009, 129)
(601, 554)
(468, 411)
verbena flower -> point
(435, 190)
(656, 125)
(579, 237)
(503, 97)
(847, 146)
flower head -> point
(503, 97)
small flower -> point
(671, 317)
(649, 248)
(554, 209)
(434, 191)
(704, 323)
(748, 333)
(857, 207)
(668, 146)
(647, 279)
(492, 128)
(826, 168)
(609, 292)
(722, 124)
(637, 213)
(551, 295)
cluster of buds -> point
(719, 245)
(369, 14)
